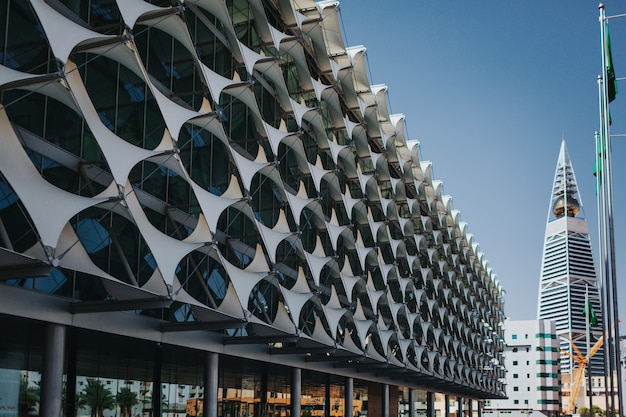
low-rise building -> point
(532, 363)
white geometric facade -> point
(568, 270)
(229, 160)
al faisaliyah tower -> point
(567, 267)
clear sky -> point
(489, 88)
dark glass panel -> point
(38, 117)
(206, 159)
(210, 49)
(101, 15)
(265, 299)
(162, 183)
(115, 245)
(244, 23)
(288, 167)
(123, 100)
(267, 200)
(171, 64)
(271, 111)
(308, 230)
(239, 124)
(240, 237)
(203, 278)
(19, 227)
(23, 43)
(288, 263)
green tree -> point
(96, 397)
(126, 399)
(29, 398)
(597, 411)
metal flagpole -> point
(606, 283)
(606, 363)
(601, 194)
(608, 211)
(588, 354)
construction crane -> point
(579, 372)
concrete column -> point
(52, 371)
(430, 404)
(459, 406)
(447, 406)
(470, 408)
(479, 408)
(296, 392)
(211, 369)
(411, 402)
(385, 400)
(349, 394)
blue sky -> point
(490, 88)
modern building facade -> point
(532, 363)
(205, 204)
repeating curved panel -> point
(246, 170)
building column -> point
(430, 404)
(157, 381)
(263, 394)
(296, 392)
(411, 402)
(470, 409)
(52, 371)
(349, 394)
(70, 379)
(385, 400)
(211, 368)
(479, 408)
(446, 406)
(459, 406)
(327, 405)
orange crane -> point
(579, 372)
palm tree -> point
(29, 398)
(97, 397)
(126, 399)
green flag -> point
(611, 82)
(588, 309)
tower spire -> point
(566, 200)
(567, 267)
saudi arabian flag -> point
(588, 309)
(611, 82)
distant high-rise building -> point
(567, 268)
